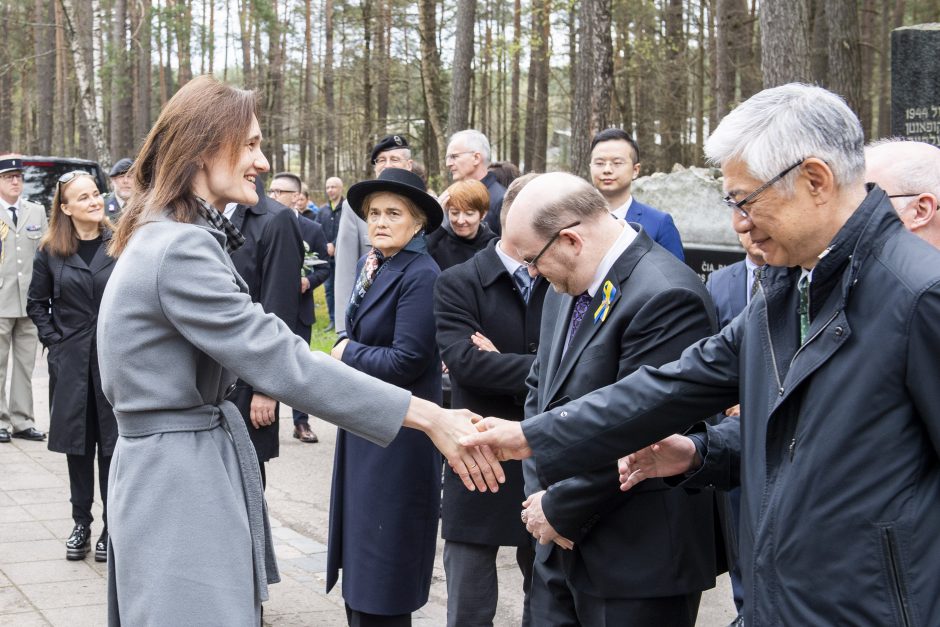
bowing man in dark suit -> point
(269, 261)
(488, 312)
(620, 301)
(385, 502)
(287, 189)
(731, 289)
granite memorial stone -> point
(915, 83)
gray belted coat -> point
(189, 535)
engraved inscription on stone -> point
(915, 83)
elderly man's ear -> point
(924, 211)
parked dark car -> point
(40, 175)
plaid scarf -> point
(233, 237)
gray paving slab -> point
(14, 513)
(84, 616)
(50, 571)
(13, 601)
(15, 552)
(28, 619)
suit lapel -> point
(738, 288)
(562, 322)
(101, 259)
(618, 275)
(385, 281)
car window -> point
(40, 177)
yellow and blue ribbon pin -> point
(610, 292)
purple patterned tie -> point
(577, 314)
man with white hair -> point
(909, 172)
(837, 451)
(468, 156)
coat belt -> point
(204, 418)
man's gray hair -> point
(583, 202)
(915, 175)
(475, 141)
(775, 128)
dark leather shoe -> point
(79, 543)
(303, 433)
(30, 434)
(101, 547)
(738, 621)
(4, 435)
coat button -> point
(780, 391)
(564, 414)
(533, 347)
(839, 331)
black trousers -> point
(82, 468)
(355, 618)
(554, 601)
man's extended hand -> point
(504, 437)
(262, 410)
(538, 525)
(674, 455)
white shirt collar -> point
(623, 241)
(511, 264)
(230, 210)
(15, 205)
(621, 211)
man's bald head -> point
(561, 227)
(555, 199)
(909, 172)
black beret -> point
(121, 167)
(390, 142)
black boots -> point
(101, 547)
(79, 543)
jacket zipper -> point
(792, 446)
(899, 592)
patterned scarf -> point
(373, 266)
(233, 237)
(375, 261)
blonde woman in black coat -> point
(70, 271)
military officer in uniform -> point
(22, 224)
(122, 185)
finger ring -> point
(473, 466)
(525, 516)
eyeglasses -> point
(453, 156)
(615, 164)
(12, 176)
(277, 192)
(68, 177)
(904, 195)
(739, 205)
(393, 160)
(531, 263)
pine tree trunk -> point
(515, 80)
(329, 150)
(784, 42)
(45, 50)
(460, 94)
(674, 113)
(430, 78)
(845, 63)
(143, 89)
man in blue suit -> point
(731, 289)
(615, 164)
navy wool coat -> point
(386, 502)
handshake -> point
(473, 445)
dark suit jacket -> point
(652, 541)
(312, 235)
(385, 502)
(496, 192)
(480, 295)
(728, 289)
(659, 225)
(269, 261)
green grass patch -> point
(320, 338)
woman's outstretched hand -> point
(476, 466)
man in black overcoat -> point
(270, 262)
(488, 334)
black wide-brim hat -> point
(403, 183)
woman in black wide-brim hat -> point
(386, 501)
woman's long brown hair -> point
(203, 121)
(61, 239)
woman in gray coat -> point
(190, 541)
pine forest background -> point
(87, 78)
